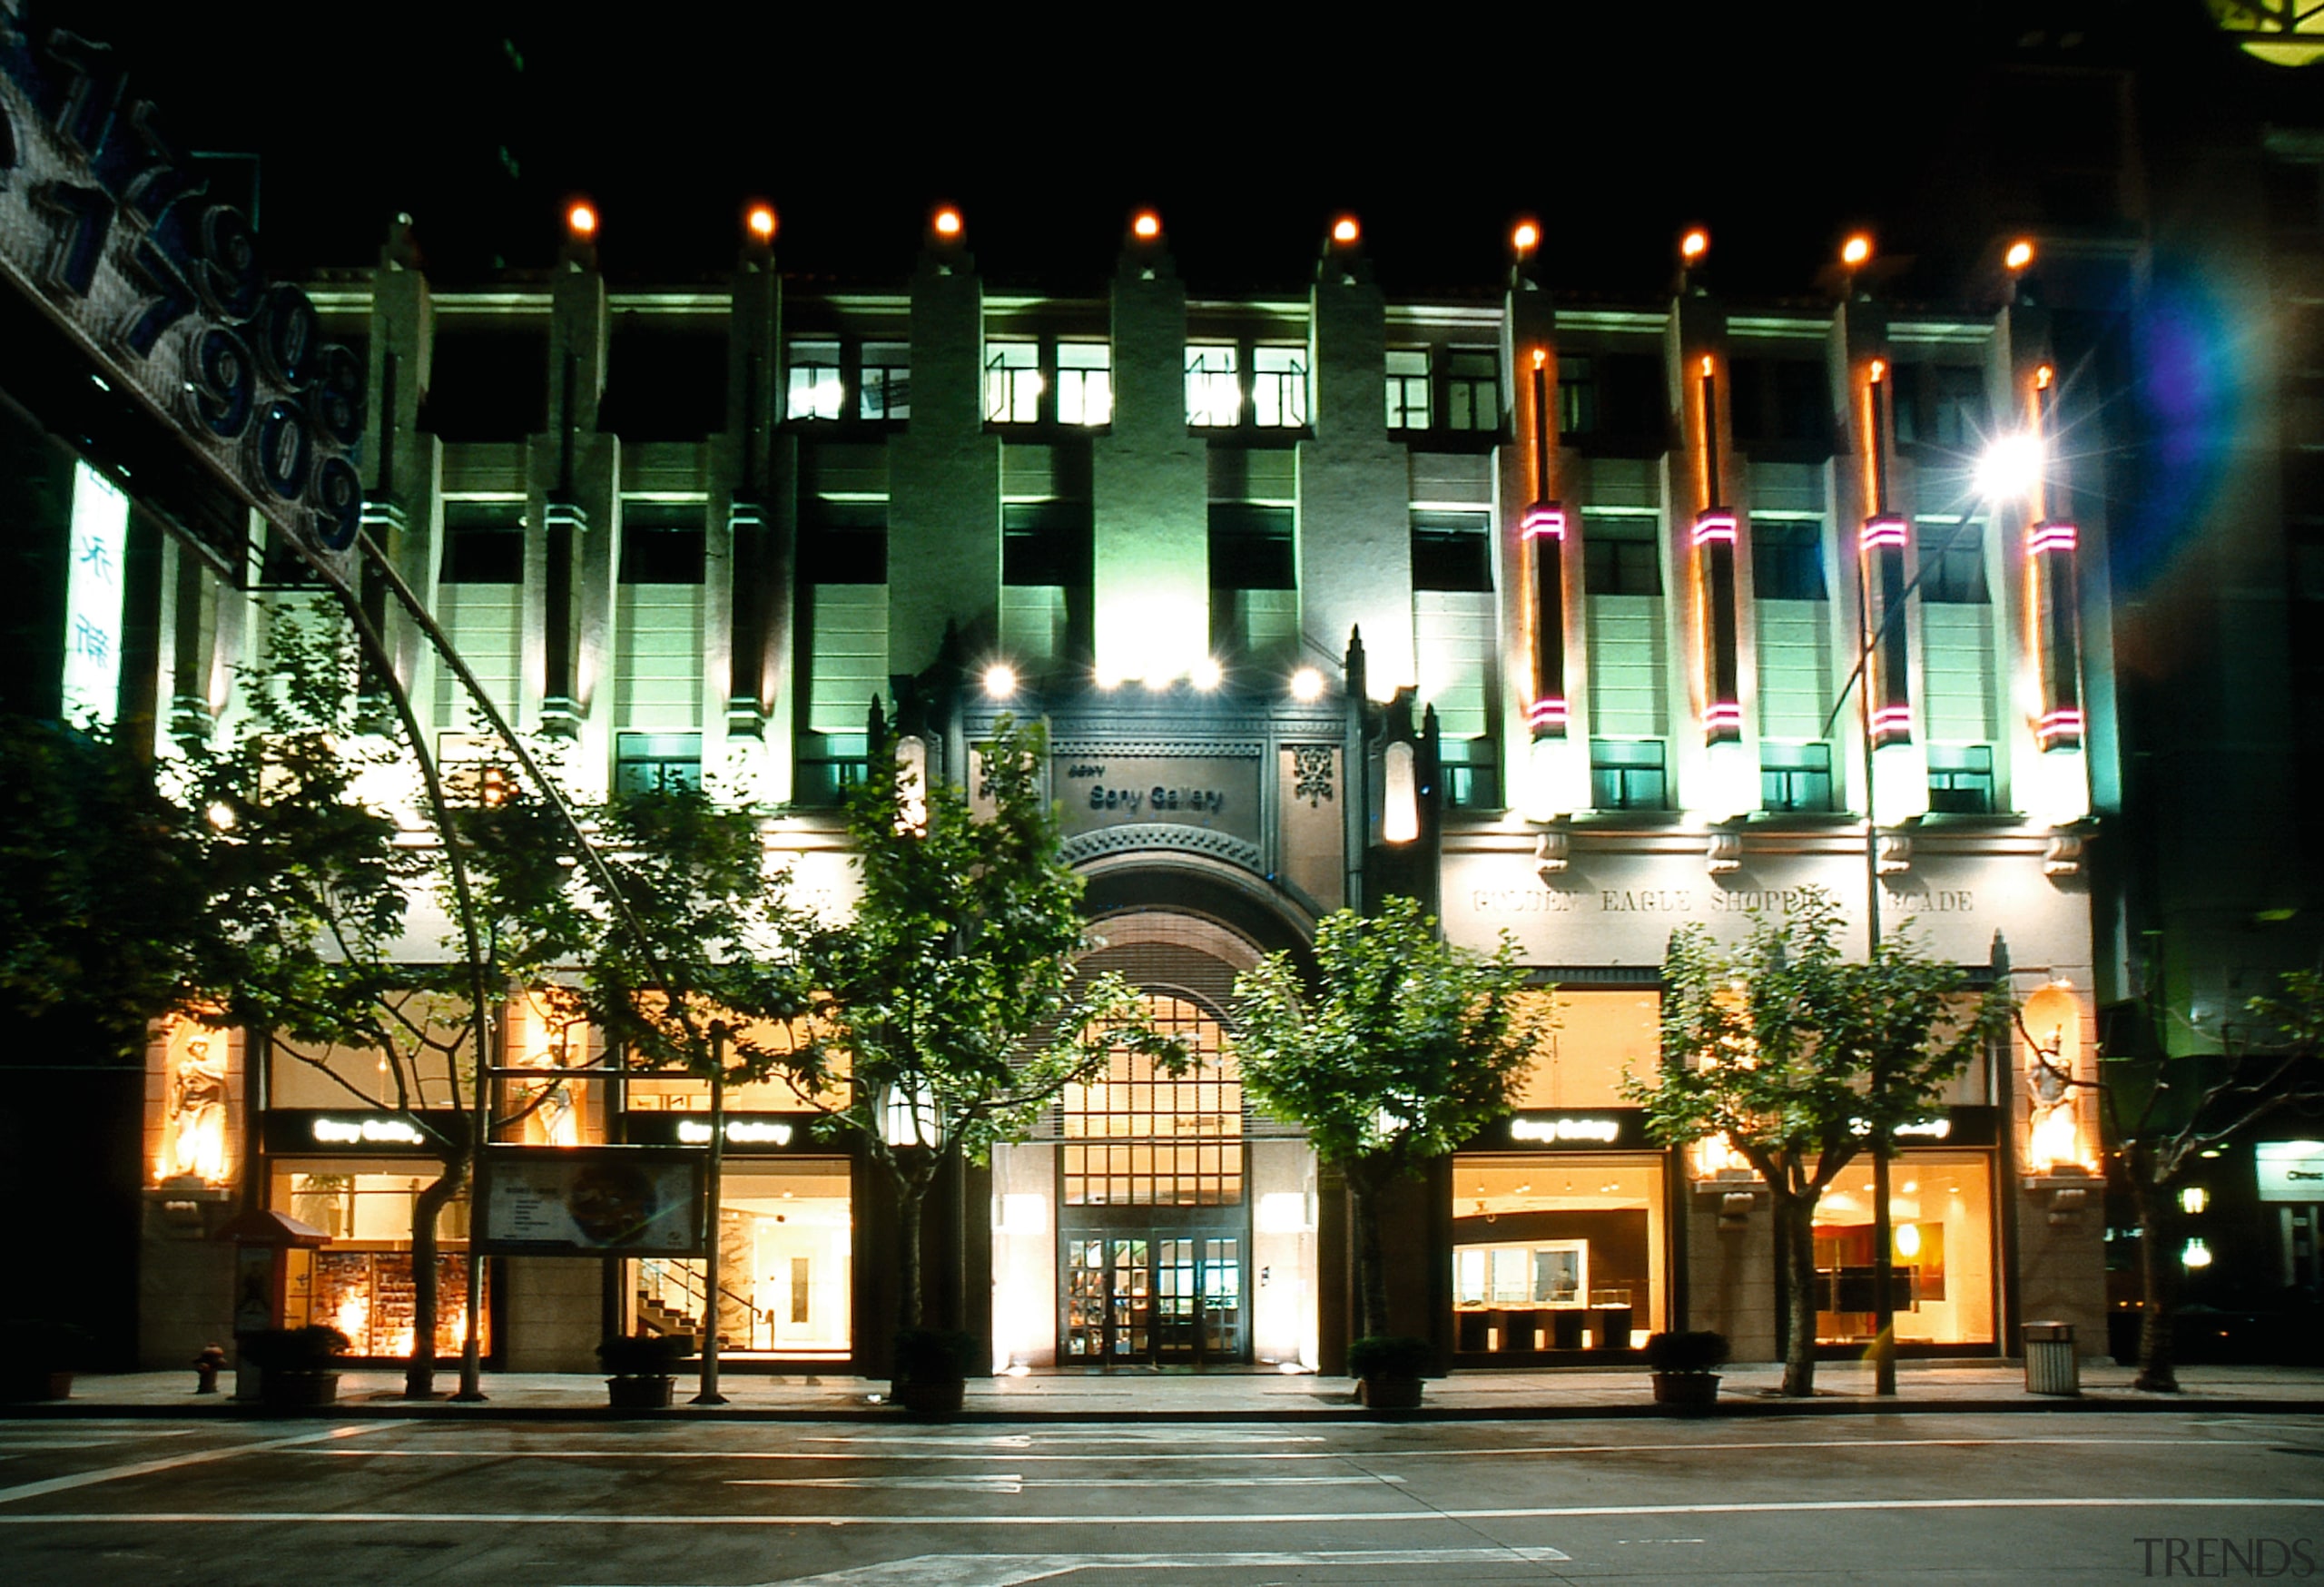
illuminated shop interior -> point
(1942, 1251)
(1557, 1251)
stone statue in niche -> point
(198, 1114)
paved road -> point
(2061, 1498)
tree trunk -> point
(911, 1305)
(419, 1374)
(1370, 1267)
(1795, 1220)
(2157, 1374)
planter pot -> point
(639, 1394)
(282, 1390)
(1686, 1390)
(1389, 1394)
(21, 1384)
(929, 1398)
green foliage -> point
(313, 1348)
(1406, 1047)
(934, 1356)
(1792, 1051)
(952, 1000)
(102, 927)
(1687, 1350)
(643, 1354)
(1388, 1355)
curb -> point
(1726, 1410)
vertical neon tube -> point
(1714, 544)
(1542, 535)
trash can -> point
(2052, 1364)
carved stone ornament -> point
(2063, 856)
(1724, 853)
(1896, 854)
(1311, 773)
(1550, 853)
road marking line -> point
(1220, 1518)
(1013, 1570)
(147, 1467)
(1012, 1482)
(1826, 1443)
(1025, 1440)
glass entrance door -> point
(1153, 1298)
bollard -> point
(206, 1366)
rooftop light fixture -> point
(761, 222)
(1345, 229)
(1525, 237)
(581, 220)
(1856, 251)
(1147, 226)
(2020, 254)
(948, 222)
(1694, 244)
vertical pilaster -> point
(1355, 526)
(401, 511)
(1716, 752)
(1149, 486)
(749, 578)
(571, 541)
(944, 472)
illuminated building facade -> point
(1544, 611)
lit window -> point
(1279, 387)
(885, 389)
(816, 389)
(1407, 389)
(1085, 382)
(1472, 389)
(1796, 776)
(1012, 382)
(1213, 396)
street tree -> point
(2162, 1113)
(1402, 1049)
(949, 1008)
(1793, 1056)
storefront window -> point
(545, 1033)
(1556, 1251)
(1941, 1273)
(361, 1282)
(785, 1239)
(1594, 1038)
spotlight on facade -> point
(2198, 1253)
(2010, 467)
(761, 222)
(1694, 245)
(948, 222)
(581, 220)
(1147, 227)
(1307, 686)
(2020, 254)
(1345, 229)
(999, 681)
(1856, 251)
(1525, 238)
(1206, 674)
(2194, 1198)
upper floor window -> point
(884, 390)
(1961, 779)
(1451, 550)
(1012, 382)
(656, 763)
(1952, 563)
(1619, 557)
(1941, 406)
(1408, 387)
(1795, 776)
(1251, 546)
(1787, 560)
(1627, 774)
(1279, 387)
(1576, 395)
(1085, 382)
(660, 542)
(484, 543)
(1472, 389)
(1214, 395)
(817, 387)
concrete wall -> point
(550, 1313)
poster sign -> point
(2291, 1170)
(591, 1201)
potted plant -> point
(1686, 1367)
(37, 1359)
(1388, 1369)
(643, 1367)
(931, 1369)
(296, 1367)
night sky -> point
(1779, 126)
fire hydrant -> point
(205, 1366)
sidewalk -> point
(1146, 1395)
